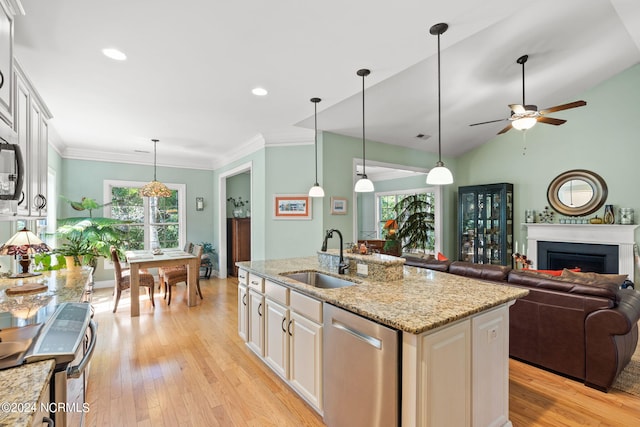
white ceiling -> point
(192, 64)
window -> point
(386, 203)
(155, 222)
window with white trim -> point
(155, 222)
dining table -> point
(140, 259)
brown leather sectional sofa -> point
(586, 331)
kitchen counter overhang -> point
(421, 301)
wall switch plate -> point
(362, 270)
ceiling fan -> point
(526, 116)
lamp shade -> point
(524, 123)
(439, 175)
(316, 191)
(24, 242)
(364, 185)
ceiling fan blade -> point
(551, 121)
(490, 121)
(563, 107)
(517, 108)
(505, 129)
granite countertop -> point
(22, 388)
(422, 300)
(24, 384)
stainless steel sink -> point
(319, 280)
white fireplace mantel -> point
(622, 236)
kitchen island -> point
(454, 334)
(24, 388)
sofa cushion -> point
(574, 286)
(552, 272)
(430, 263)
(595, 278)
(497, 273)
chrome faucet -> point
(342, 266)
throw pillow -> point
(442, 257)
(553, 272)
(594, 278)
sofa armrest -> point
(611, 337)
(496, 273)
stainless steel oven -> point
(68, 336)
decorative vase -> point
(237, 213)
(609, 217)
(71, 262)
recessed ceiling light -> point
(259, 91)
(114, 54)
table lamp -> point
(22, 245)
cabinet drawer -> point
(243, 277)
(306, 306)
(256, 282)
(276, 292)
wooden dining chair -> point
(188, 247)
(173, 277)
(123, 279)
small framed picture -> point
(291, 206)
(338, 205)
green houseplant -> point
(415, 218)
(86, 239)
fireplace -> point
(609, 247)
(586, 256)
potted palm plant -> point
(86, 239)
(415, 219)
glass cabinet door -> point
(486, 224)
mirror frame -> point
(596, 182)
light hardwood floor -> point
(187, 366)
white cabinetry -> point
(458, 373)
(255, 339)
(243, 304)
(285, 329)
(31, 124)
(6, 62)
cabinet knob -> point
(289, 327)
(259, 308)
(21, 198)
(284, 319)
(1, 79)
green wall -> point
(239, 187)
(601, 137)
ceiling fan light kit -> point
(439, 175)
(364, 184)
(524, 116)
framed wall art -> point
(292, 206)
(338, 205)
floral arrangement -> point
(237, 203)
(391, 226)
(522, 259)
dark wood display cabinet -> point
(238, 243)
(485, 224)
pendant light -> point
(439, 175)
(155, 188)
(316, 190)
(364, 184)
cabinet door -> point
(243, 312)
(276, 337)
(34, 153)
(446, 377)
(306, 359)
(256, 322)
(6, 64)
(22, 129)
(43, 168)
(490, 367)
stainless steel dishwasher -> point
(361, 371)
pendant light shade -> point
(316, 190)
(155, 188)
(364, 184)
(439, 175)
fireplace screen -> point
(588, 257)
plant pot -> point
(71, 262)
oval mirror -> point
(577, 192)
